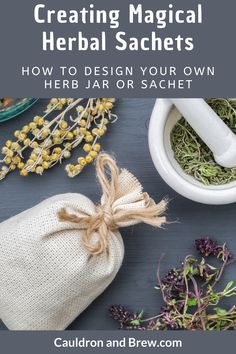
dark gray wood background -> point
(134, 285)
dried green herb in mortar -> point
(192, 294)
(195, 158)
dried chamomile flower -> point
(58, 104)
(47, 140)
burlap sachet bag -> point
(58, 256)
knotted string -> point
(107, 218)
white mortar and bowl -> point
(211, 129)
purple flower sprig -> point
(188, 291)
(207, 247)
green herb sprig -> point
(192, 154)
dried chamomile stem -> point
(46, 141)
(100, 115)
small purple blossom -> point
(206, 247)
(174, 280)
(121, 314)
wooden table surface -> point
(134, 285)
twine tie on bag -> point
(109, 216)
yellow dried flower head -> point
(47, 140)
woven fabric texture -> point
(47, 277)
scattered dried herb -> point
(192, 154)
(191, 295)
(47, 140)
